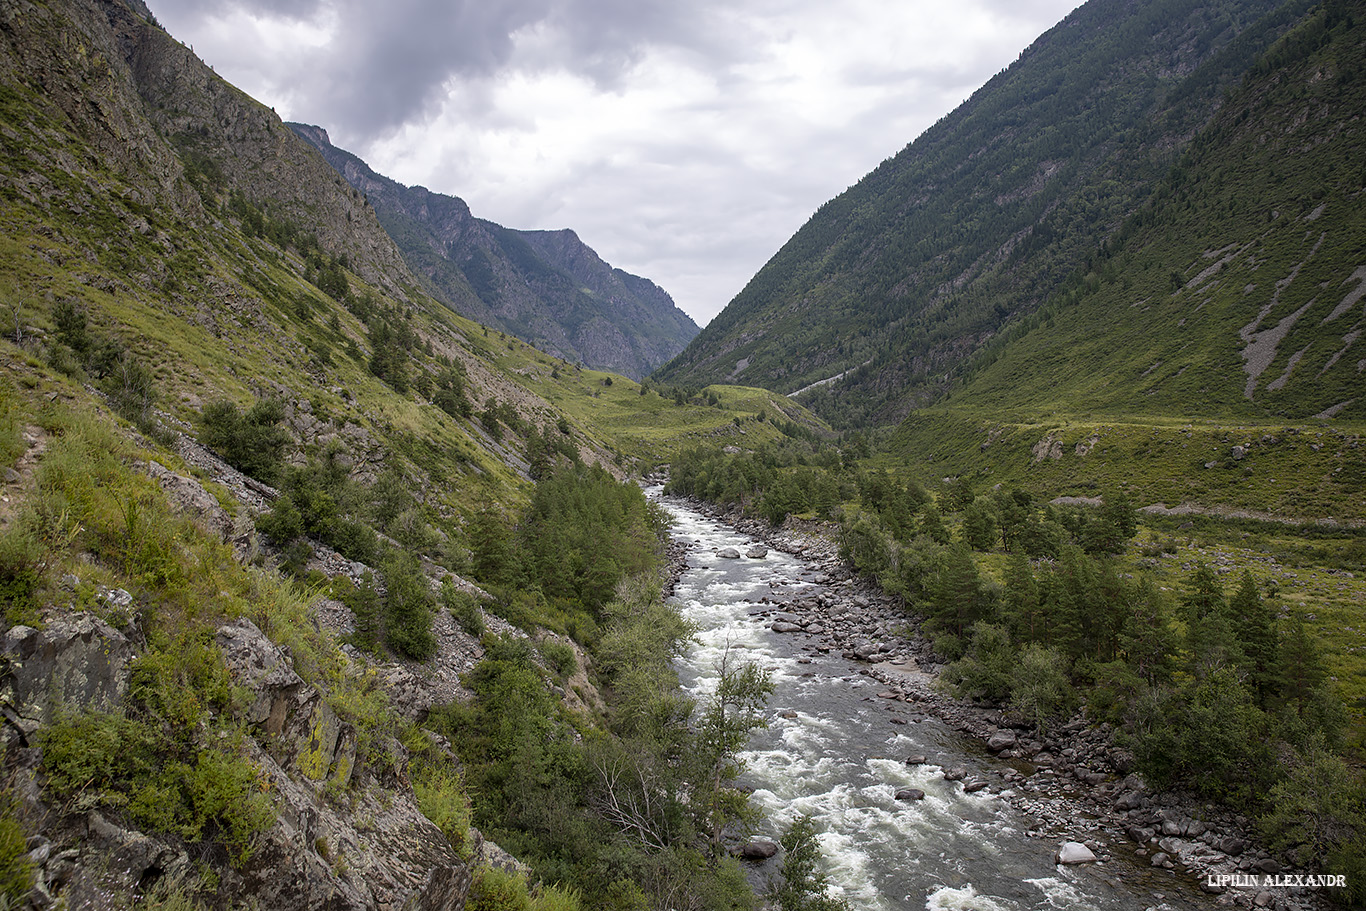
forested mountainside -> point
(1212, 351)
(266, 505)
(1237, 288)
(893, 286)
(545, 287)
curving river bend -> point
(831, 753)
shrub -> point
(122, 763)
(407, 607)
(22, 564)
(803, 886)
(559, 655)
(464, 608)
(253, 443)
(1039, 687)
(441, 798)
(16, 870)
(496, 890)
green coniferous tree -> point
(1020, 606)
(1254, 623)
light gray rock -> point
(728, 553)
(1074, 852)
(304, 733)
(1003, 739)
(76, 662)
(190, 497)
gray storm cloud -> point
(685, 140)
(387, 64)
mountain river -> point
(832, 751)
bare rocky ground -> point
(1073, 784)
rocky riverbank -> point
(1074, 784)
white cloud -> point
(684, 142)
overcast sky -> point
(684, 140)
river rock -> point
(728, 553)
(782, 626)
(757, 552)
(758, 849)
(955, 774)
(1160, 859)
(1231, 845)
(910, 794)
(917, 759)
(1074, 852)
(1129, 800)
(972, 787)
(1001, 740)
(867, 651)
(1170, 845)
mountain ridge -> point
(545, 287)
(899, 280)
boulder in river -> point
(728, 553)
(757, 552)
(956, 774)
(910, 794)
(1074, 852)
(1003, 739)
(758, 849)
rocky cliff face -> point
(545, 287)
(394, 856)
(145, 105)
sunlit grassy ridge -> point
(1300, 471)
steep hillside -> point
(262, 500)
(1212, 353)
(1238, 289)
(895, 283)
(545, 287)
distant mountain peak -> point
(546, 287)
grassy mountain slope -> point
(546, 287)
(183, 218)
(1227, 313)
(894, 283)
(179, 272)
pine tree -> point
(1020, 607)
(1255, 625)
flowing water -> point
(831, 752)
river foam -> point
(836, 752)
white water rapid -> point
(832, 752)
